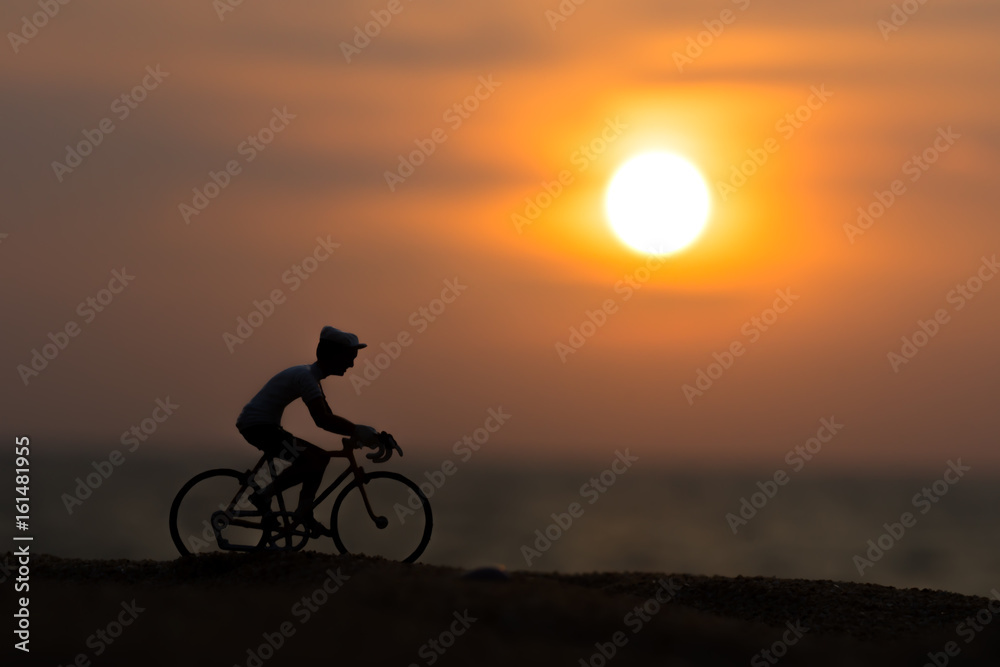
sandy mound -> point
(286, 609)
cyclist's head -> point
(337, 350)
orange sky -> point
(608, 65)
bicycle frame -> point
(352, 468)
(234, 516)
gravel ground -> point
(863, 611)
(215, 610)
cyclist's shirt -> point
(270, 402)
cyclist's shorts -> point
(274, 441)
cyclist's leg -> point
(266, 438)
(275, 442)
(308, 465)
(308, 462)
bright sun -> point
(657, 203)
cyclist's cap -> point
(341, 338)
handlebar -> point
(387, 444)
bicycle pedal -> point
(314, 527)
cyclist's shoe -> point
(315, 528)
(262, 503)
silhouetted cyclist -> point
(260, 420)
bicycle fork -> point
(362, 479)
(380, 521)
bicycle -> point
(213, 508)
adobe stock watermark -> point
(420, 320)
(223, 7)
(137, 434)
(924, 501)
(248, 149)
(753, 329)
(584, 156)
(294, 276)
(595, 319)
(899, 17)
(464, 450)
(88, 310)
(435, 647)
(454, 116)
(957, 298)
(562, 12)
(915, 167)
(968, 629)
(22, 568)
(714, 28)
(364, 33)
(303, 611)
(30, 25)
(635, 620)
(796, 458)
(121, 107)
(786, 126)
(779, 649)
(592, 491)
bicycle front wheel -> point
(402, 522)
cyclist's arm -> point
(326, 420)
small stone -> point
(488, 573)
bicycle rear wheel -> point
(214, 494)
(403, 523)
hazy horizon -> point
(653, 520)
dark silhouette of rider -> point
(260, 421)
